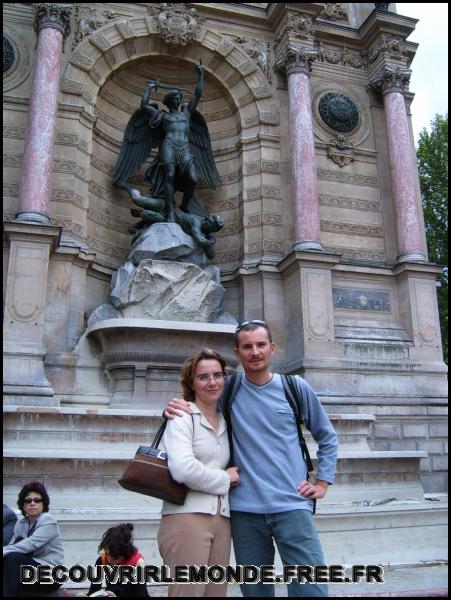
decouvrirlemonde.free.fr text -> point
(149, 574)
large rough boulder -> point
(171, 291)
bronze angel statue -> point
(184, 153)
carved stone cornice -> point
(55, 15)
(297, 60)
(391, 79)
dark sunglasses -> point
(253, 322)
(30, 500)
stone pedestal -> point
(142, 357)
(308, 304)
(24, 379)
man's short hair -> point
(251, 326)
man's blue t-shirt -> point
(266, 447)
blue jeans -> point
(297, 541)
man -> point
(273, 502)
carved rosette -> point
(391, 79)
(53, 15)
(177, 25)
(297, 60)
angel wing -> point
(202, 151)
(139, 139)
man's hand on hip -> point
(313, 491)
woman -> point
(198, 532)
(117, 548)
(36, 541)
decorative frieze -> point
(391, 79)
(107, 221)
(352, 228)
(273, 246)
(352, 203)
(120, 254)
(10, 189)
(347, 178)
(354, 299)
(352, 255)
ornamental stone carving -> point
(334, 12)
(390, 45)
(303, 26)
(300, 25)
(90, 22)
(297, 60)
(391, 79)
(50, 14)
(177, 25)
(340, 150)
(258, 50)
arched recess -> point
(123, 47)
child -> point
(117, 548)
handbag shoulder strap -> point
(160, 432)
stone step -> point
(394, 533)
(361, 474)
(90, 427)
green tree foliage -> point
(432, 156)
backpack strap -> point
(295, 399)
(228, 396)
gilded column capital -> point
(391, 79)
(51, 14)
(297, 60)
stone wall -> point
(361, 326)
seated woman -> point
(198, 532)
(117, 548)
(36, 541)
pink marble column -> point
(304, 190)
(36, 183)
(404, 177)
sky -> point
(429, 80)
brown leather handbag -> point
(148, 473)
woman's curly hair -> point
(189, 368)
(33, 486)
(119, 541)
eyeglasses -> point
(253, 322)
(204, 377)
(30, 500)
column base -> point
(32, 216)
(411, 257)
(308, 246)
